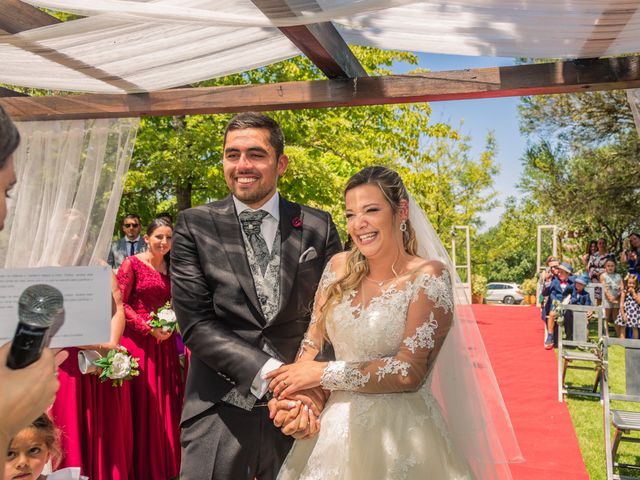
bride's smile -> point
(373, 225)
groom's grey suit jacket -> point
(216, 302)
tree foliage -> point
(507, 251)
(178, 160)
(582, 167)
(579, 120)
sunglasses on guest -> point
(131, 225)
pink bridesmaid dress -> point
(95, 423)
(156, 395)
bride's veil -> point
(463, 381)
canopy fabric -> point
(70, 181)
(137, 46)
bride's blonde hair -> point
(357, 267)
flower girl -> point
(31, 449)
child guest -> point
(31, 449)
(611, 296)
(629, 315)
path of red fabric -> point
(526, 373)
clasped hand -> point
(298, 399)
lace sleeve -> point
(127, 280)
(429, 317)
(310, 345)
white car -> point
(508, 293)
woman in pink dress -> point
(94, 418)
(156, 395)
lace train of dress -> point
(381, 434)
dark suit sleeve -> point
(204, 334)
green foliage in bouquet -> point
(164, 318)
(119, 365)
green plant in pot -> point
(528, 288)
(478, 288)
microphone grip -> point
(27, 345)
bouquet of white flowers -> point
(164, 318)
(119, 365)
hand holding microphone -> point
(40, 308)
(27, 368)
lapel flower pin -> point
(296, 222)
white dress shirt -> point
(269, 225)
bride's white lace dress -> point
(381, 421)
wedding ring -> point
(284, 382)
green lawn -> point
(587, 417)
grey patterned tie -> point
(251, 221)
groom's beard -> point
(259, 192)
(253, 197)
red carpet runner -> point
(526, 373)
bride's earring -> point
(403, 226)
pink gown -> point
(95, 423)
(156, 395)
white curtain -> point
(136, 46)
(70, 181)
(633, 95)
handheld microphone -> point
(39, 308)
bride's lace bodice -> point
(390, 344)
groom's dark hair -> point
(258, 120)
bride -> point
(404, 401)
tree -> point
(578, 120)
(582, 166)
(178, 160)
(507, 251)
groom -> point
(244, 271)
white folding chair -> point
(623, 421)
(583, 348)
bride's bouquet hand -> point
(292, 378)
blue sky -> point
(479, 117)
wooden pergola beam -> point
(536, 79)
(16, 17)
(325, 47)
(320, 42)
(6, 92)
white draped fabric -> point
(70, 180)
(135, 46)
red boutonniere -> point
(296, 222)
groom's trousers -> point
(229, 443)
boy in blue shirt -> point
(559, 288)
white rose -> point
(168, 316)
(120, 366)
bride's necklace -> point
(380, 283)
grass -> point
(587, 416)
